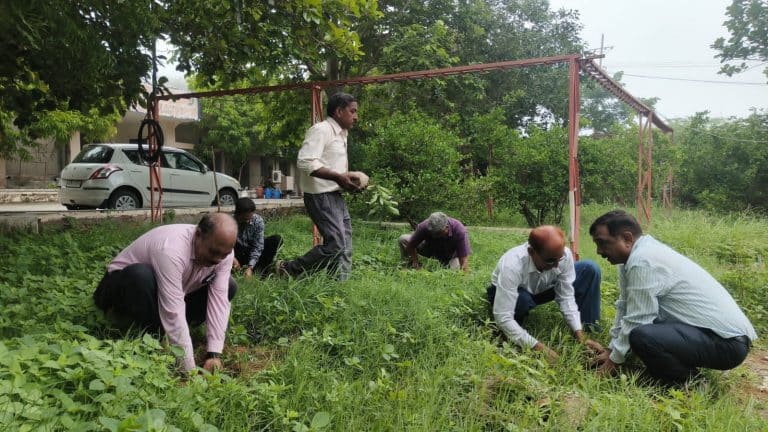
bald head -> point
(215, 238)
(548, 241)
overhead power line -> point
(697, 80)
(736, 139)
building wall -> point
(49, 159)
(41, 170)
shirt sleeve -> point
(310, 156)
(641, 307)
(168, 270)
(256, 241)
(217, 314)
(565, 295)
(504, 308)
(418, 236)
(463, 249)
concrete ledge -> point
(8, 196)
(38, 222)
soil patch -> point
(757, 388)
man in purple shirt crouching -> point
(440, 237)
(173, 277)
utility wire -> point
(697, 80)
(735, 139)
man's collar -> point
(337, 129)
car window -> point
(135, 157)
(94, 154)
(183, 161)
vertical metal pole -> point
(574, 193)
(215, 180)
(640, 151)
(649, 169)
(155, 185)
(644, 169)
(666, 197)
(317, 116)
(153, 110)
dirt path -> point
(757, 364)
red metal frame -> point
(574, 186)
(155, 184)
(317, 116)
(576, 65)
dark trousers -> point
(271, 245)
(131, 293)
(329, 213)
(586, 289)
(673, 352)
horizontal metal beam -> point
(404, 76)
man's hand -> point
(607, 369)
(551, 355)
(594, 347)
(415, 264)
(605, 366)
(345, 181)
(248, 272)
(213, 364)
(464, 263)
(235, 264)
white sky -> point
(670, 38)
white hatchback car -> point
(116, 176)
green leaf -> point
(110, 423)
(321, 420)
(97, 385)
(151, 342)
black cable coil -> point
(152, 127)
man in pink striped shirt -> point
(176, 276)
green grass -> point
(389, 349)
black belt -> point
(745, 340)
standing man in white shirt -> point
(540, 271)
(324, 174)
(671, 313)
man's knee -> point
(640, 338)
(112, 290)
(587, 269)
(141, 274)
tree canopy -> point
(747, 24)
(92, 57)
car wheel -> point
(124, 199)
(227, 198)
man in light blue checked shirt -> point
(671, 313)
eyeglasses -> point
(551, 261)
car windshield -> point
(94, 154)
